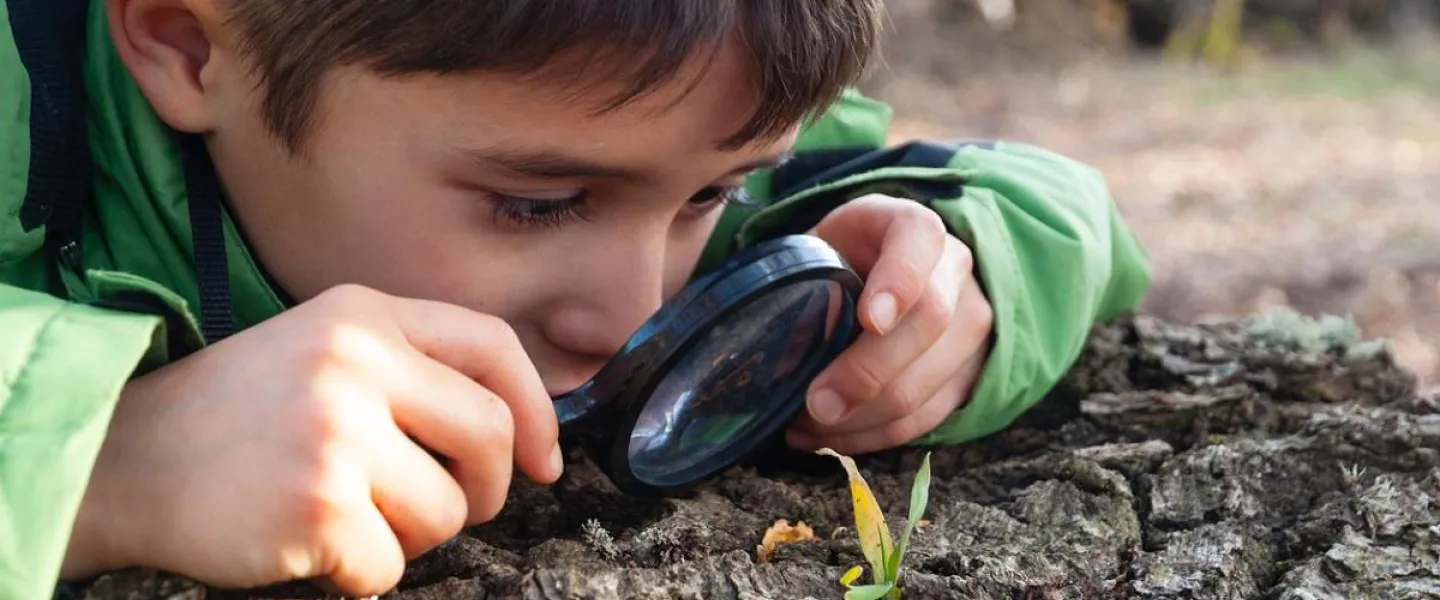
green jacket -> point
(1052, 253)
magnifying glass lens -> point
(734, 380)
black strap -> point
(815, 168)
(801, 169)
(207, 234)
(50, 37)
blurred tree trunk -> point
(1218, 25)
(1212, 34)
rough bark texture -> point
(1276, 458)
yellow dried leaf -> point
(875, 540)
(851, 575)
(782, 533)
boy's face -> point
(503, 195)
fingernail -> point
(557, 460)
(882, 311)
(827, 407)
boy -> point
(319, 238)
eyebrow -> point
(550, 164)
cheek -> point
(431, 245)
(687, 242)
(384, 225)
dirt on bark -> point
(1274, 457)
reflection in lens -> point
(728, 382)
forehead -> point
(693, 113)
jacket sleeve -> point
(62, 366)
(1054, 257)
(1051, 250)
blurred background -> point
(1267, 152)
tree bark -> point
(1276, 457)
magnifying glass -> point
(719, 370)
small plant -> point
(880, 551)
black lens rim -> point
(608, 406)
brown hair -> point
(802, 52)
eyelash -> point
(543, 214)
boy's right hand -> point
(297, 449)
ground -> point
(1272, 458)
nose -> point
(603, 307)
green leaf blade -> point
(920, 491)
(869, 592)
(919, 499)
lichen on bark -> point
(1276, 458)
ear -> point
(167, 47)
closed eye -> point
(550, 213)
(541, 213)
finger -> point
(487, 477)
(859, 374)
(468, 424)
(421, 500)
(890, 435)
(960, 349)
(912, 389)
(364, 558)
(486, 350)
(895, 245)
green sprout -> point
(874, 535)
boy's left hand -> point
(919, 355)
